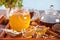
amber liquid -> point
(19, 22)
(48, 24)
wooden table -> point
(4, 36)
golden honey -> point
(19, 21)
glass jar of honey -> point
(19, 19)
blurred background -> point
(40, 4)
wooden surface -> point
(27, 39)
(8, 37)
(5, 36)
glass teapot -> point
(50, 15)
